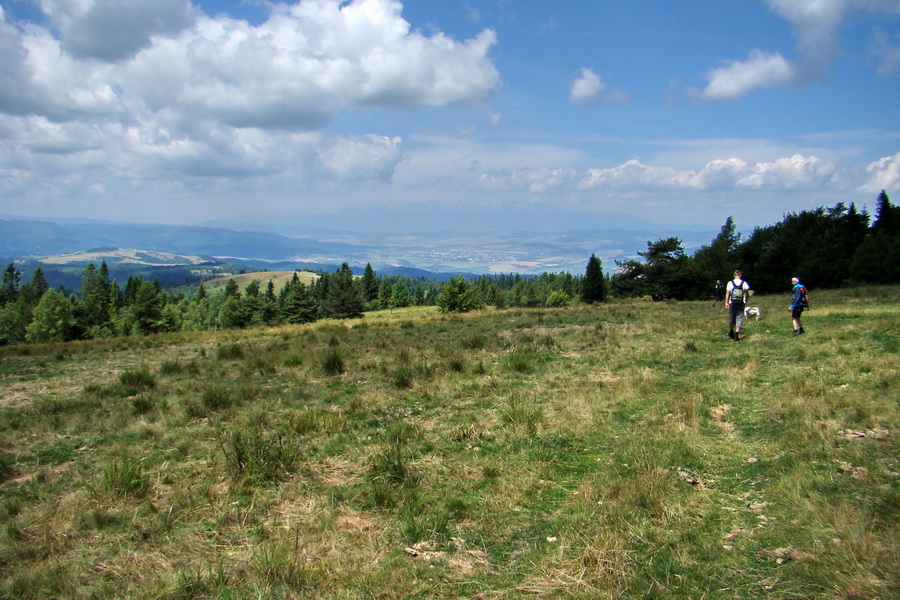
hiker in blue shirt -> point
(799, 302)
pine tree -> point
(400, 297)
(369, 284)
(297, 303)
(230, 314)
(144, 314)
(344, 300)
(93, 308)
(10, 290)
(252, 289)
(385, 293)
(887, 217)
(232, 290)
(199, 293)
(37, 287)
(593, 286)
(877, 258)
(717, 260)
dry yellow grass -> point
(628, 450)
(278, 279)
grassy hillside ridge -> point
(278, 278)
(122, 256)
(625, 450)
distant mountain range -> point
(429, 218)
(20, 237)
(417, 242)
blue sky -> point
(681, 112)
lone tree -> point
(593, 286)
(458, 295)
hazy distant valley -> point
(410, 243)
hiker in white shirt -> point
(736, 294)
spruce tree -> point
(400, 297)
(369, 284)
(887, 217)
(232, 289)
(385, 293)
(37, 287)
(93, 308)
(344, 300)
(10, 290)
(717, 260)
(297, 303)
(593, 286)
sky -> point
(676, 111)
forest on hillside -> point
(825, 247)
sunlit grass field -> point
(622, 450)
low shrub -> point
(124, 478)
(333, 363)
(474, 342)
(230, 352)
(137, 380)
(259, 456)
(7, 466)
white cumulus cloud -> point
(296, 70)
(115, 29)
(795, 172)
(883, 174)
(588, 89)
(737, 78)
(815, 25)
(790, 173)
(160, 84)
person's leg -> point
(738, 324)
(731, 319)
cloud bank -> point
(142, 108)
(163, 81)
(795, 173)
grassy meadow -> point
(623, 450)
(278, 278)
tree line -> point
(102, 308)
(826, 247)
